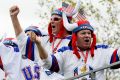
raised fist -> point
(14, 10)
(33, 37)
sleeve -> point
(53, 62)
(2, 74)
(44, 40)
(46, 62)
(11, 61)
(47, 74)
(118, 53)
(112, 55)
(115, 56)
(22, 38)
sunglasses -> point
(55, 19)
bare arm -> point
(14, 10)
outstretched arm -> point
(14, 10)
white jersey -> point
(18, 67)
(67, 62)
(31, 55)
(2, 74)
(30, 50)
(31, 70)
(9, 56)
(55, 45)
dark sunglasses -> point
(55, 19)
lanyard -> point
(85, 55)
(55, 48)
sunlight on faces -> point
(56, 21)
(84, 39)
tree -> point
(102, 14)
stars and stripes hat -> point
(83, 25)
(65, 8)
(77, 26)
(58, 12)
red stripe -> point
(1, 64)
(68, 9)
(114, 55)
(80, 17)
(30, 50)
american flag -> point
(69, 9)
(80, 16)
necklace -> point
(83, 69)
(54, 48)
(85, 56)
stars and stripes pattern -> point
(80, 16)
(69, 9)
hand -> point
(34, 37)
(14, 10)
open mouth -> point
(86, 40)
(53, 26)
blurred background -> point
(104, 16)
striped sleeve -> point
(114, 57)
(55, 66)
(53, 62)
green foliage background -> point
(104, 16)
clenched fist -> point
(14, 10)
(34, 37)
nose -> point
(88, 35)
(52, 22)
